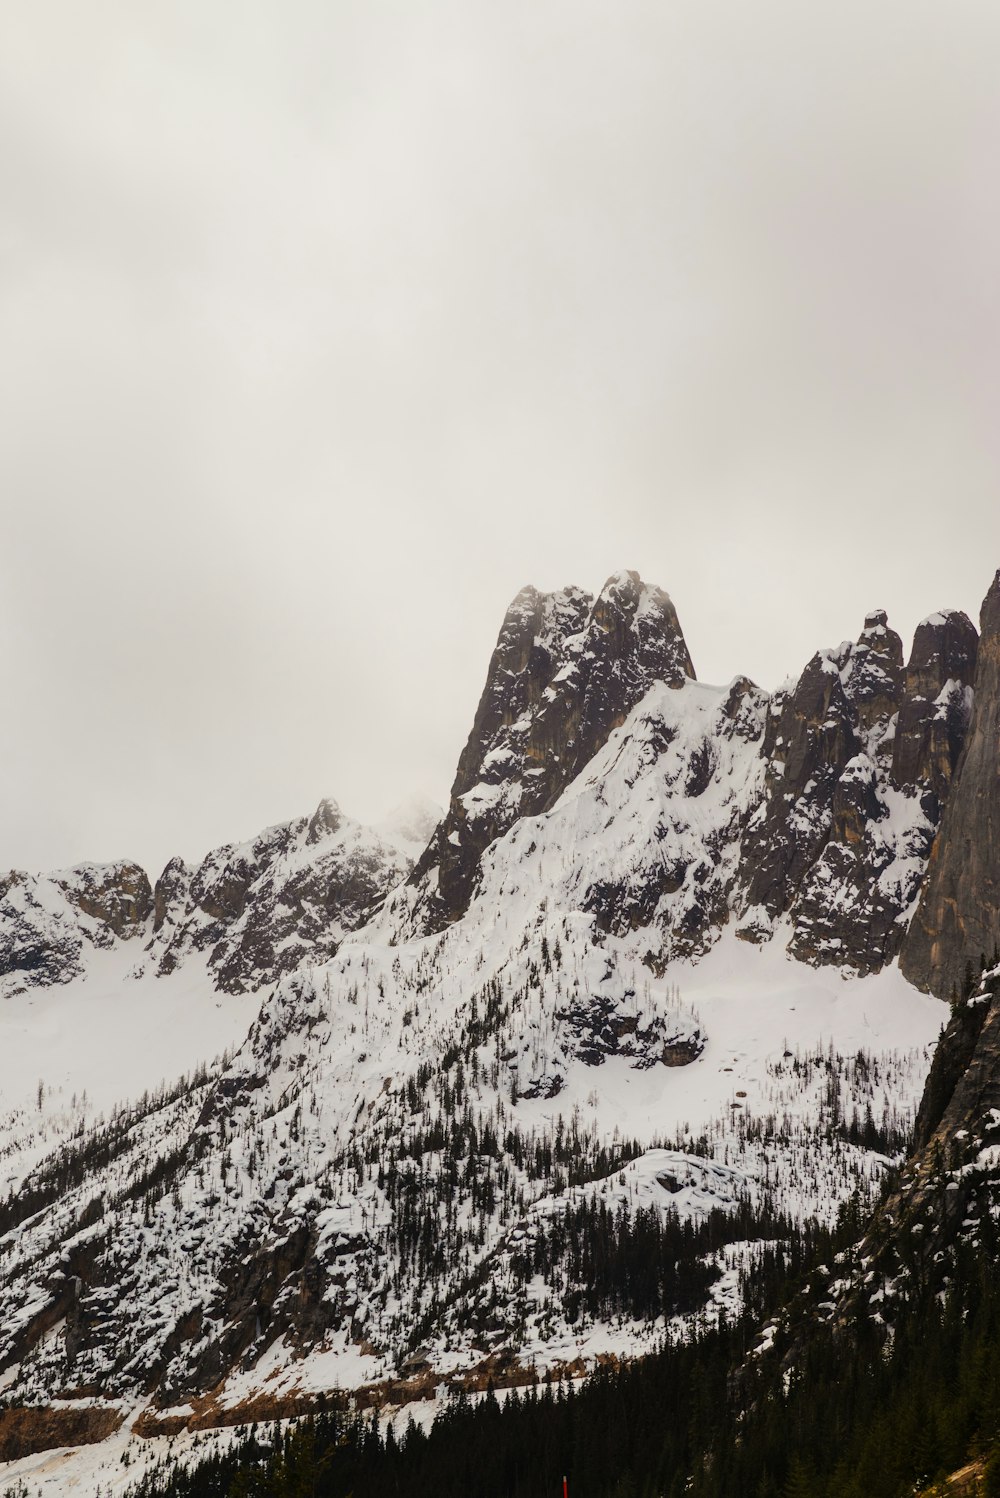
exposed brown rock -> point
(48, 920)
(24, 1432)
(501, 1370)
(117, 895)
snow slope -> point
(372, 1173)
(100, 1041)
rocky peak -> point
(325, 821)
(809, 742)
(830, 848)
(566, 671)
(530, 650)
(958, 918)
(170, 894)
(116, 895)
(936, 702)
(257, 909)
(261, 908)
(873, 672)
(631, 639)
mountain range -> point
(367, 1115)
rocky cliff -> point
(258, 909)
(958, 918)
(860, 755)
(837, 798)
(262, 908)
(567, 669)
(551, 1015)
(50, 922)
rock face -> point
(259, 909)
(262, 908)
(958, 918)
(49, 921)
(814, 810)
(860, 758)
(854, 761)
(567, 669)
(936, 703)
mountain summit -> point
(567, 669)
(642, 976)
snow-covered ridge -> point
(403, 1120)
(382, 1173)
(257, 909)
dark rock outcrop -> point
(813, 741)
(860, 757)
(597, 1028)
(566, 671)
(809, 852)
(262, 908)
(936, 703)
(873, 673)
(48, 921)
(958, 917)
(116, 896)
(258, 909)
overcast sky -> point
(325, 327)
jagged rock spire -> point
(830, 848)
(566, 671)
(937, 700)
(958, 918)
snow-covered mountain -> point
(259, 909)
(643, 971)
(942, 1214)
